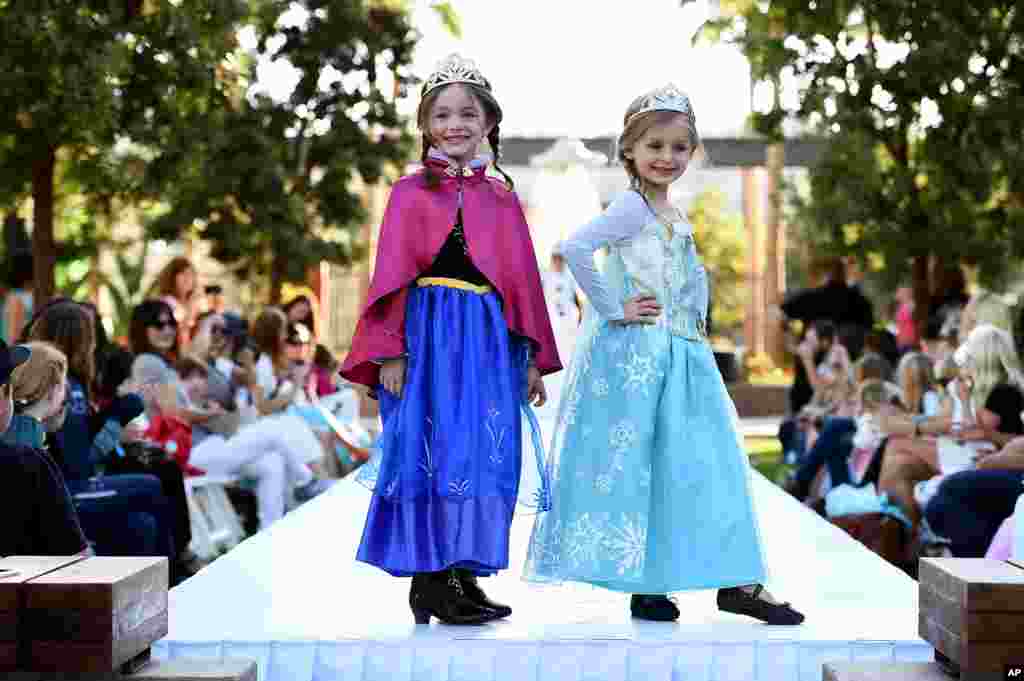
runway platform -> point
(294, 599)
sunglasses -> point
(163, 324)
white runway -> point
(294, 599)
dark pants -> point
(135, 521)
(969, 507)
(172, 482)
(831, 449)
(792, 438)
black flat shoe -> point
(473, 592)
(653, 608)
(442, 595)
(737, 601)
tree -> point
(271, 184)
(721, 239)
(76, 76)
(925, 159)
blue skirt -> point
(447, 474)
(650, 482)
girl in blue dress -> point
(650, 481)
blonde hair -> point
(636, 126)
(922, 378)
(990, 355)
(33, 380)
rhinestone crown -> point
(667, 98)
(455, 69)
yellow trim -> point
(453, 283)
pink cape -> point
(416, 223)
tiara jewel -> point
(455, 69)
(667, 98)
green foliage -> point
(925, 156)
(721, 238)
(76, 78)
(271, 184)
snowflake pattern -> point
(599, 387)
(389, 490)
(639, 370)
(572, 406)
(627, 544)
(590, 544)
(582, 540)
(604, 483)
(622, 436)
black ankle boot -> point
(473, 591)
(654, 608)
(442, 595)
(740, 602)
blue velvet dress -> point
(447, 473)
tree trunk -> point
(920, 281)
(774, 253)
(277, 275)
(44, 251)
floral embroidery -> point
(497, 456)
(427, 462)
(458, 486)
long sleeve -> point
(624, 218)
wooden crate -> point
(972, 611)
(95, 615)
(23, 569)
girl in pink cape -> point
(453, 341)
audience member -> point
(129, 514)
(834, 301)
(325, 368)
(18, 300)
(39, 516)
(176, 286)
(300, 310)
(993, 399)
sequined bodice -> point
(668, 267)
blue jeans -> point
(969, 507)
(831, 449)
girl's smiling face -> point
(662, 154)
(457, 124)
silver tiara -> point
(667, 98)
(455, 69)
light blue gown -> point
(650, 485)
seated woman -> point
(128, 515)
(835, 442)
(39, 516)
(969, 506)
(277, 451)
(993, 398)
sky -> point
(571, 67)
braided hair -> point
(491, 110)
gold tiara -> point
(667, 98)
(455, 69)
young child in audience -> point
(39, 518)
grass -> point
(766, 456)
